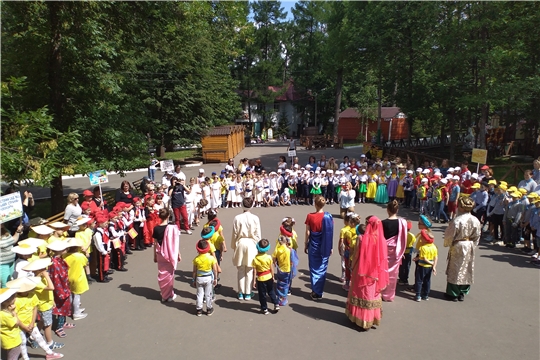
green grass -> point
(180, 155)
(346, 145)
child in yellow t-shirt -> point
(9, 324)
(405, 266)
(349, 243)
(78, 284)
(26, 309)
(426, 263)
(204, 276)
(44, 292)
(282, 259)
(84, 235)
(341, 245)
(264, 281)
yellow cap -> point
(522, 190)
(475, 186)
(512, 188)
(503, 183)
(503, 187)
(515, 194)
(492, 182)
(532, 195)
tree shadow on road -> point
(317, 313)
(150, 294)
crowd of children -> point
(54, 267)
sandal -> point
(69, 325)
(60, 333)
(56, 345)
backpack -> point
(421, 192)
(438, 195)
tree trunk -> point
(339, 89)
(452, 118)
(56, 97)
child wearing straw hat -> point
(26, 304)
(9, 324)
(44, 292)
(24, 253)
(78, 283)
(43, 232)
(60, 231)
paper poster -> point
(166, 165)
(132, 233)
(479, 156)
(291, 153)
(10, 207)
(98, 177)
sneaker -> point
(80, 316)
(56, 345)
(209, 312)
(264, 311)
(345, 287)
(199, 312)
(403, 283)
(276, 307)
(247, 297)
(315, 296)
(171, 299)
(189, 232)
(461, 297)
(54, 356)
(82, 309)
(535, 255)
(532, 252)
(240, 296)
(417, 299)
(425, 298)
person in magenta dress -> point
(318, 246)
(393, 183)
(369, 276)
(166, 254)
(395, 233)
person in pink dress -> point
(395, 233)
(166, 254)
(369, 276)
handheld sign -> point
(10, 207)
(166, 165)
(479, 156)
(292, 153)
(98, 177)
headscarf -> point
(373, 257)
(466, 204)
(427, 236)
(284, 232)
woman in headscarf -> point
(461, 236)
(369, 276)
(166, 254)
(318, 246)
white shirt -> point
(180, 175)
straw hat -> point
(23, 284)
(58, 225)
(38, 264)
(58, 245)
(73, 242)
(82, 221)
(33, 242)
(6, 294)
(42, 230)
(24, 249)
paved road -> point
(498, 320)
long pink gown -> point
(396, 248)
(167, 259)
(369, 276)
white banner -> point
(10, 207)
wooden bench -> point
(108, 197)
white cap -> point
(296, 166)
(308, 167)
(449, 176)
(330, 171)
(474, 176)
(363, 156)
(444, 181)
(354, 169)
(455, 177)
(318, 168)
(201, 170)
(419, 170)
(363, 170)
(317, 172)
(409, 171)
(425, 171)
(279, 171)
(424, 179)
(450, 169)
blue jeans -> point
(441, 212)
(405, 267)
(266, 287)
(422, 283)
(151, 174)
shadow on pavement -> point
(317, 313)
(150, 294)
(242, 305)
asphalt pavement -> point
(499, 319)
